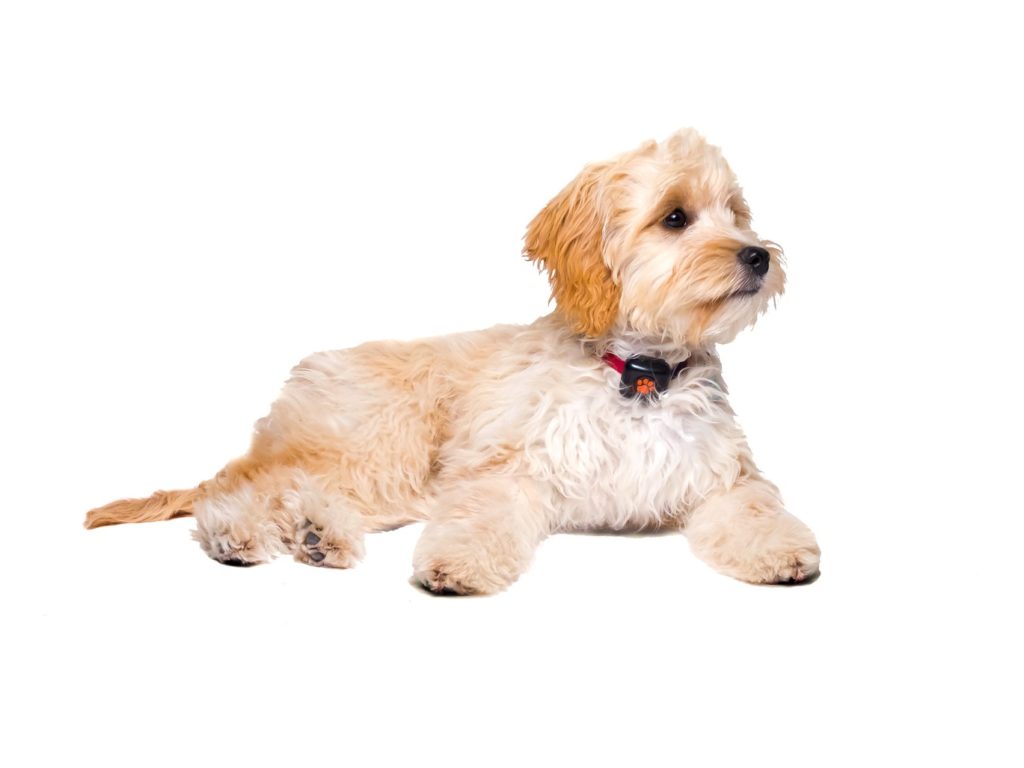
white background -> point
(194, 195)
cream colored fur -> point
(498, 438)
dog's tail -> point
(162, 505)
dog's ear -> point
(567, 239)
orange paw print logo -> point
(646, 386)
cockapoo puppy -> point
(608, 413)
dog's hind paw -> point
(315, 545)
(226, 551)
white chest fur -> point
(616, 462)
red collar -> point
(643, 377)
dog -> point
(610, 412)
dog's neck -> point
(625, 344)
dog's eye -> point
(675, 220)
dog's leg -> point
(250, 515)
(482, 536)
(746, 533)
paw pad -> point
(314, 546)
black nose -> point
(755, 258)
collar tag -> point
(643, 377)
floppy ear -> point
(566, 239)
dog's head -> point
(656, 243)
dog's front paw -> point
(456, 566)
(452, 576)
(785, 566)
(746, 534)
(785, 552)
(441, 582)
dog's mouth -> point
(743, 293)
(748, 285)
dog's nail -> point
(316, 556)
(312, 539)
